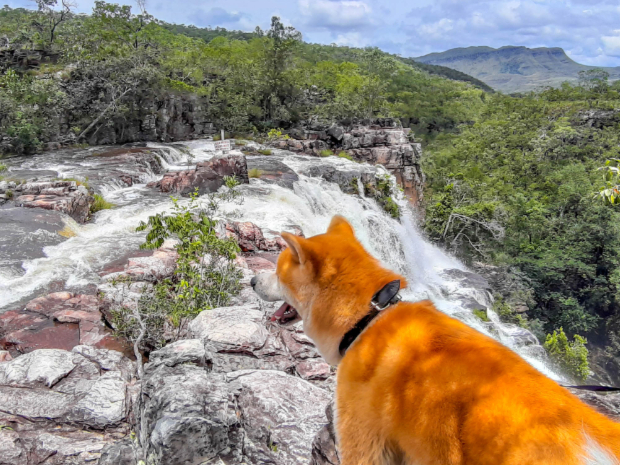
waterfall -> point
(398, 244)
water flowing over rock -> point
(236, 388)
(63, 196)
(207, 177)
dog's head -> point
(328, 280)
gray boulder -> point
(61, 407)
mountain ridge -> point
(513, 68)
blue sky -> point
(589, 30)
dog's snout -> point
(253, 281)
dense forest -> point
(512, 180)
(518, 189)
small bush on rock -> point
(571, 357)
(100, 204)
(205, 277)
(326, 153)
(383, 192)
(482, 314)
(265, 152)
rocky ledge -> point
(63, 196)
(381, 141)
(208, 176)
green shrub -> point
(3, 168)
(391, 207)
(265, 152)
(344, 154)
(482, 314)
(9, 194)
(255, 173)
(571, 357)
(100, 204)
(217, 137)
(326, 153)
(507, 315)
(382, 192)
(206, 276)
(240, 143)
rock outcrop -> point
(381, 141)
(244, 416)
(63, 407)
(63, 196)
(207, 177)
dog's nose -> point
(253, 281)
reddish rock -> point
(313, 369)
(61, 320)
(251, 238)
(259, 264)
(208, 176)
(63, 196)
(5, 356)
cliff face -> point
(513, 69)
(380, 141)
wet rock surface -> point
(207, 177)
(272, 170)
(62, 196)
(60, 320)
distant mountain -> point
(513, 69)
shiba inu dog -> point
(415, 386)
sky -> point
(588, 30)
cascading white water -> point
(310, 204)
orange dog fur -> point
(418, 387)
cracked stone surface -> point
(63, 407)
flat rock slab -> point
(61, 320)
(272, 170)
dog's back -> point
(420, 387)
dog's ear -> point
(340, 225)
(296, 245)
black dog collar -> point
(386, 296)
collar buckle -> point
(394, 300)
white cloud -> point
(337, 15)
(611, 44)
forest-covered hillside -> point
(97, 69)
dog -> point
(415, 386)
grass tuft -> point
(255, 173)
(482, 314)
(326, 153)
(100, 204)
(265, 152)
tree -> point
(378, 68)
(279, 48)
(52, 17)
(594, 80)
